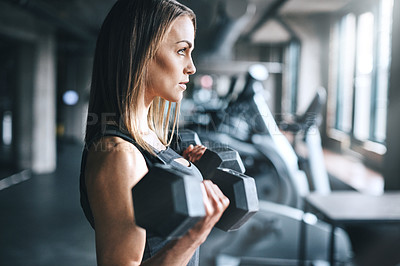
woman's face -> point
(168, 72)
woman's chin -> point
(175, 98)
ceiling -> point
(217, 19)
(89, 14)
(312, 6)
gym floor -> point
(41, 222)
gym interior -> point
(304, 90)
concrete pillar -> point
(391, 163)
(78, 79)
(35, 112)
(24, 115)
(44, 107)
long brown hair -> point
(129, 38)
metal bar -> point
(267, 15)
(332, 245)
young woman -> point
(142, 64)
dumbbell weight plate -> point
(187, 137)
(242, 193)
(167, 203)
(223, 157)
(230, 159)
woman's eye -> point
(182, 51)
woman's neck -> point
(147, 134)
(143, 111)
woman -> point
(142, 64)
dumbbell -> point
(182, 204)
(166, 202)
(212, 158)
(224, 167)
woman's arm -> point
(113, 167)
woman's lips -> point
(182, 85)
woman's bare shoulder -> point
(114, 158)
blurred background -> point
(347, 47)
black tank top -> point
(167, 156)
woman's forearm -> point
(176, 252)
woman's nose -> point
(190, 69)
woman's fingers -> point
(207, 203)
(201, 152)
(197, 152)
(225, 201)
(186, 153)
(194, 153)
(219, 202)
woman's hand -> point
(215, 203)
(194, 153)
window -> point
(383, 65)
(363, 76)
(344, 102)
(362, 72)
